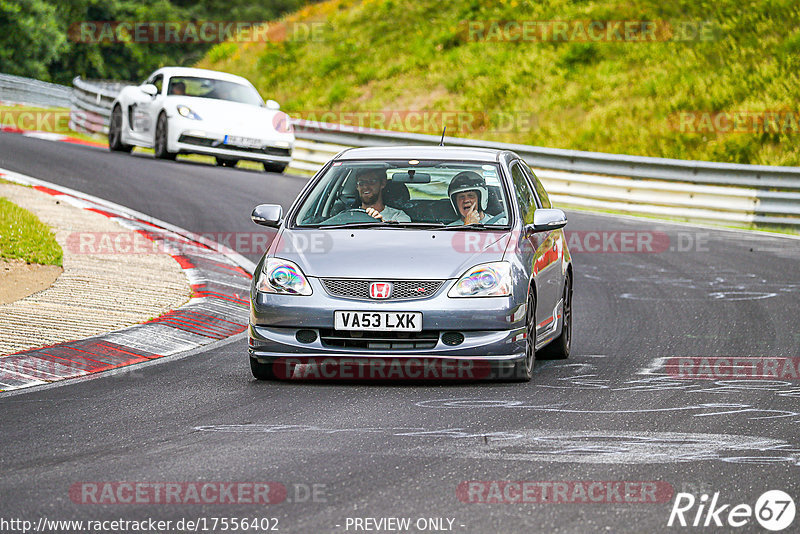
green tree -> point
(37, 40)
(31, 37)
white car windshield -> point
(410, 192)
(212, 88)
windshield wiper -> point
(417, 224)
(353, 225)
(473, 226)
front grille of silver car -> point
(350, 288)
(427, 339)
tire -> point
(262, 371)
(559, 348)
(115, 143)
(225, 162)
(523, 369)
(277, 168)
(161, 139)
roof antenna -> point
(441, 143)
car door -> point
(552, 247)
(139, 112)
(150, 109)
(530, 247)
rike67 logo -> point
(774, 510)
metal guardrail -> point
(683, 189)
(91, 104)
(701, 172)
(28, 91)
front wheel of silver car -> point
(262, 371)
(559, 348)
(523, 368)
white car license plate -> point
(384, 321)
(246, 142)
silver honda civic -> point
(413, 262)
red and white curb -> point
(219, 308)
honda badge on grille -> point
(380, 290)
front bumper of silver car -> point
(488, 329)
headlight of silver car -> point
(282, 277)
(186, 111)
(484, 280)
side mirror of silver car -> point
(548, 219)
(267, 215)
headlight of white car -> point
(186, 111)
(484, 280)
(283, 277)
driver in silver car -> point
(371, 184)
(470, 196)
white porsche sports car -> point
(196, 111)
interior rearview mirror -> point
(411, 177)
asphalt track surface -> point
(609, 413)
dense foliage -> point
(35, 40)
(621, 97)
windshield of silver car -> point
(406, 193)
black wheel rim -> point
(161, 136)
(115, 127)
(530, 335)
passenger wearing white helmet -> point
(470, 196)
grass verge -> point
(368, 62)
(25, 237)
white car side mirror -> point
(149, 89)
(271, 104)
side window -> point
(544, 200)
(524, 194)
(158, 81)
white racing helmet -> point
(468, 181)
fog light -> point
(452, 338)
(306, 336)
